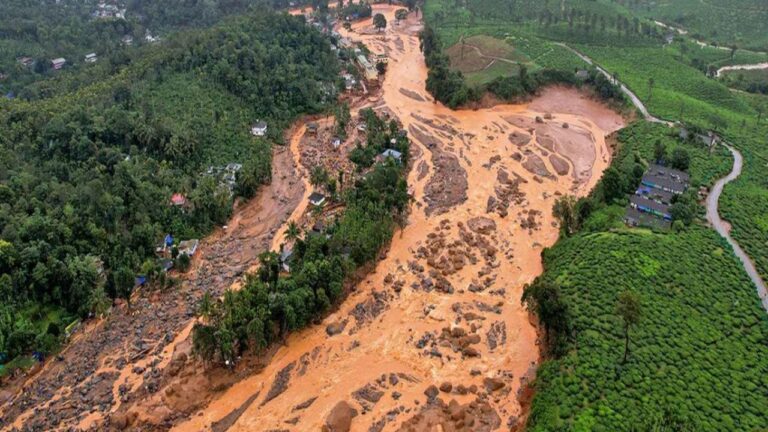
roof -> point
(178, 199)
(648, 204)
(91, 55)
(392, 153)
(316, 197)
(59, 60)
(260, 125)
(655, 194)
(666, 178)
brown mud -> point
(433, 338)
(436, 335)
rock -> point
(335, 328)
(482, 225)
(431, 392)
(470, 352)
(340, 418)
(446, 387)
(493, 384)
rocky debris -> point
(370, 308)
(230, 419)
(304, 405)
(335, 328)
(340, 418)
(492, 161)
(447, 187)
(496, 335)
(529, 219)
(519, 139)
(535, 165)
(507, 192)
(431, 392)
(411, 94)
(544, 140)
(422, 169)
(493, 384)
(446, 387)
(280, 384)
(368, 393)
(482, 225)
(559, 164)
(475, 416)
(459, 341)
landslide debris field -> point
(435, 334)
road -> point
(713, 215)
(722, 227)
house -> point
(666, 179)
(370, 72)
(312, 128)
(646, 205)
(582, 74)
(58, 63)
(658, 195)
(345, 43)
(259, 129)
(317, 199)
(391, 153)
(188, 247)
(140, 280)
(178, 200)
(127, 40)
(335, 142)
(3, 76)
(91, 58)
(25, 61)
(382, 58)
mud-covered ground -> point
(435, 335)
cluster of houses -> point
(226, 175)
(108, 11)
(649, 206)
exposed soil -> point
(435, 337)
(436, 334)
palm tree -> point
(629, 309)
(293, 231)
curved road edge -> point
(713, 215)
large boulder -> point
(340, 418)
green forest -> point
(44, 30)
(87, 173)
(273, 301)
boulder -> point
(340, 418)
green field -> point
(702, 332)
(743, 22)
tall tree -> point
(629, 309)
(379, 21)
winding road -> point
(713, 214)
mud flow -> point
(436, 334)
(434, 338)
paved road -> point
(722, 227)
(630, 94)
(713, 215)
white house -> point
(58, 63)
(188, 247)
(91, 58)
(317, 199)
(259, 129)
